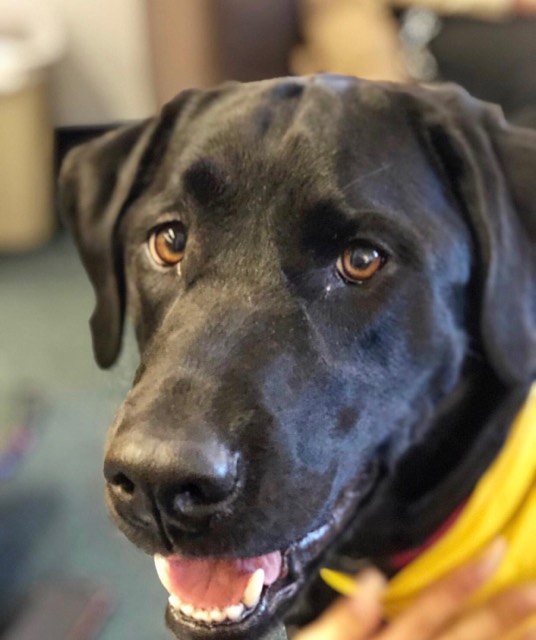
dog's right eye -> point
(167, 243)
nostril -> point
(205, 487)
(188, 497)
(128, 497)
(123, 483)
(191, 493)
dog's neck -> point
(438, 475)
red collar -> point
(399, 560)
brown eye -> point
(167, 243)
(360, 262)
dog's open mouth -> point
(233, 595)
(216, 591)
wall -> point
(105, 75)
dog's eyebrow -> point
(328, 225)
(325, 224)
(205, 181)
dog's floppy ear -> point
(97, 182)
(492, 169)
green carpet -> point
(52, 518)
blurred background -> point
(69, 70)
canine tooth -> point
(161, 565)
(175, 601)
(187, 609)
(252, 593)
(234, 611)
(217, 615)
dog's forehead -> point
(303, 119)
(306, 137)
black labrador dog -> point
(332, 283)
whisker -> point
(349, 185)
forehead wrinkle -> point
(206, 181)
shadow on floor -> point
(24, 517)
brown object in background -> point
(353, 37)
(26, 169)
(31, 40)
(254, 39)
(202, 43)
(181, 36)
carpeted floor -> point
(53, 525)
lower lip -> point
(271, 599)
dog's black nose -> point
(184, 483)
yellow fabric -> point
(502, 504)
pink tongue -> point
(215, 584)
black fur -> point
(303, 391)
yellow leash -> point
(502, 504)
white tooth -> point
(206, 616)
(187, 609)
(234, 612)
(162, 567)
(175, 601)
(199, 614)
(217, 615)
(252, 593)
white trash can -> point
(31, 39)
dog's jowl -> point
(332, 284)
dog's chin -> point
(255, 613)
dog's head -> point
(323, 273)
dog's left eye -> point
(360, 262)
(167, 243)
